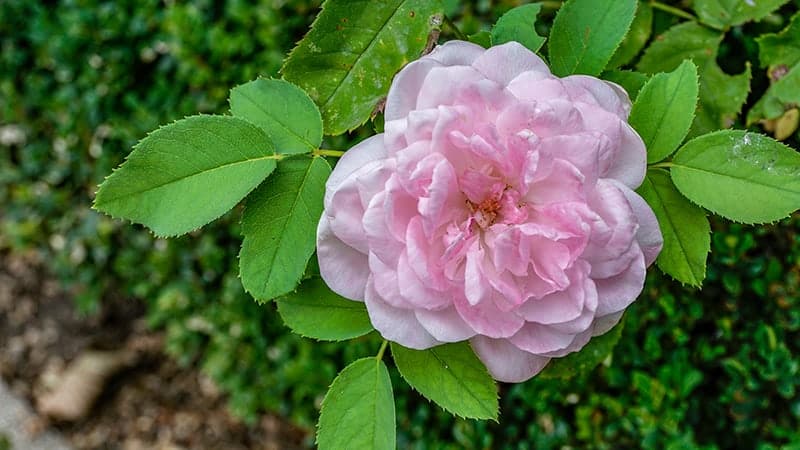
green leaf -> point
(586, 359)
(517, 25)
(684, 226)
(721, 98)
(631, 81)
(452, 376)
(721, 95)
(723, 14)
(358, 410)
(781, 48)
(742, 176)
(781, 54)
(782, 95)
(687, 40)
(281, 109)
(279, 226)
(586, 33)
(188, 173)
(317, 312)
(482, 38)
(347, 61)
(637, 37)
(664, 110)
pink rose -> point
(498, 207)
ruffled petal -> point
(540, 339)
(445, 325)
(505, 361)
(603, 325)
(649, 233)
(502, 63)
(368, 150)
(396, 324)
(487, 319)
(563, 305)
(630, 165)
(608, 96)
(617, 292)
(456, 53)
(344, 269)
(405, 88)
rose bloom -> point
(497, 206)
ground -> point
(149, 403)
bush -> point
(82, 81)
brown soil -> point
(154, 404)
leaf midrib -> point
(281, 236)
(674, 231)
(184, 177)
(663, 114)
(738, 179)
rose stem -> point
(662, 165)
(459, 34)
(383, 349)
(672, 10)
(326, 152)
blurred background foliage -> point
(82, 80)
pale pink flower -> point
(498, 207)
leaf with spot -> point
(279, 227)
(282, 110)
(586, 33)
(664, 110)
(780, 54)
(517, 25)
(684, 226)
(315, 311)
(347, 61)
(723, 14)
(721, 95)
(452, 376)
(358, 410)
(188, 173)
(742, 176)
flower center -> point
(503, 205)
(485, 212)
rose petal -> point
(505, 361)
(649, 233)
(368, 150)
(396, 324)
(445, 325)
(540, 339)
(502, 63)
(617, 292)
(402, 97)
(608, 96)
(603, 325)
(456, 53)
(344, 269)
(487, 319)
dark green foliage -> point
(83, 81)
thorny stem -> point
(379, 356)
(327, 152)
(459, 34)
(672, 10)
